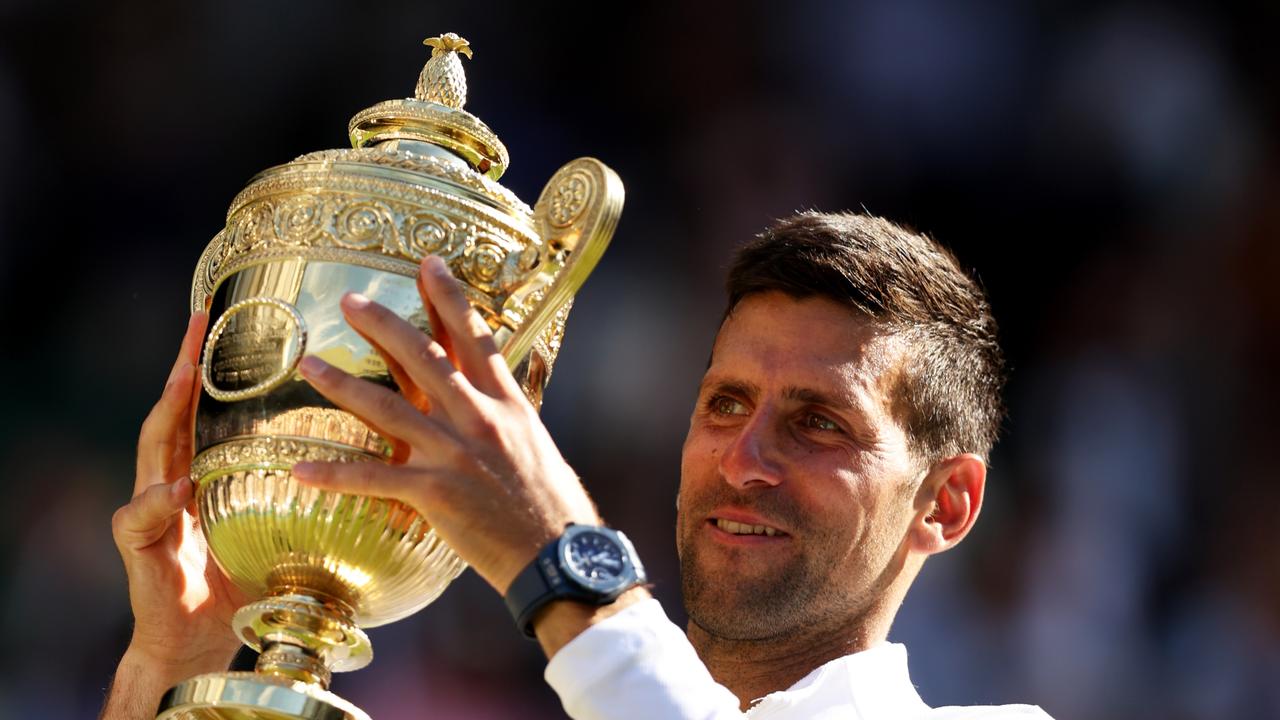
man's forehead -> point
(811, 343)
(813, 329)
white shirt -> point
(637, 664)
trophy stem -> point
(293, 662)
(303, 637)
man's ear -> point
(947, 503)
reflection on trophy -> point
(420, 179)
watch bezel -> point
(625, 578)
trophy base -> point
(253, 696)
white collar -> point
(874, 683)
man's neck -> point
(752, 669)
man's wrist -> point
(588, 564)
(144, 674)
(169, 666)
(136, 688)
(560, 621)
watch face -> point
(596, 558)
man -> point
(839, 439)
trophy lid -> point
(434, 115)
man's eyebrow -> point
(795, 393)
(817, 397)
(725, 386)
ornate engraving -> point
(202, 282)
(569, 198)
(320, 423)
(253, 347)
(551, 338)
(298, 220)
(427, 164)
(281, 217)
(364, 225)
(424, 192)
(483, 263)
(269, 452)
(428, 233)
(404, 196)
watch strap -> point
(538, 584)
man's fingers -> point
(408, 388)
(423, 359)
(378, 406)
(146, 518)
(439, 332)
(364, 478)
(471, 341)
(164, 431)
(193, 338)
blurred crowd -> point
(1109, 169)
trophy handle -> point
(575, 215)
(201, 285)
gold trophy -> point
(420, 179)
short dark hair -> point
(948, 397)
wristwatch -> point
(587, 564)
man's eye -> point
(815, 421)
(725, 405)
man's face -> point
(796, 483)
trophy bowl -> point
(420, 179)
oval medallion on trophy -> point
(253, 347)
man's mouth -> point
(737, 528)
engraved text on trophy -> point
(253, 347)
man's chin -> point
(736, 607)
(745, 622)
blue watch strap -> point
(538, 584)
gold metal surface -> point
(376, 557)
(253, 348)
(435, 115)
(419, 180)
(253, 696)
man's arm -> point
(182, 604)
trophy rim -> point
(211, 696)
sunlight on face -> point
(792, 505)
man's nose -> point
(752, 459)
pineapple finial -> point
(443, 80)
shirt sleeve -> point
(637, 664)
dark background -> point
(1109, 169)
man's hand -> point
(182, 604)
(478, 463)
